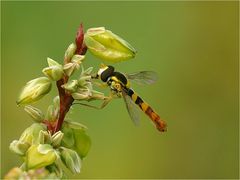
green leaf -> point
(82, 142)
(68, 138)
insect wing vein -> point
(132, 109)
(143, 77)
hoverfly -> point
(119, 84)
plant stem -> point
(66, 99)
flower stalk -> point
(66, 99)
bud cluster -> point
(40, 149)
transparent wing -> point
(143, 77)
(132, 109)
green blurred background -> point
(192, 45)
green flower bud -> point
(31, 134)
(77, 59)
(81, 95)
(71, 160)
(70, 52)
(52, 113)
(34, 90)
(35, 113)
(107, 46)
(44, 137)
(71, 86)
(19, 147)
(40, 156)
(51, 62)
(54, 71)
(87, 71)
(70, 68)
(57, 138)
(84, 80)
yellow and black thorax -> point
(114, 79)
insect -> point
(119, 84)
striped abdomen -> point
(160, 124)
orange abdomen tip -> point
(161, 125)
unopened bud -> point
(70, 68)
(44, 137)
(70, 52)
(19, 147)
(107, 46)
(71, 160)
(34, 90)
(31, 134)
(35, 113)
(71, 86)
(52, 113)
(78, 59)
(57, 138)
(84, 80)
(40, 156)
(54, 71)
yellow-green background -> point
(192, 45)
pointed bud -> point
(44, 137)
(70, 68)
(35, 113)
(54, 71)
(71, 86)
(57, 138)
(34, 90)
(107, 46)
(31, 134)
(78, 59)
(87, 71)
(70, 52)
(83, 80)
(19, 147)
(51, 62)
(71, 160)
(52, 113)
(40, 156)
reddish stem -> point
(66, 99)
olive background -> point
(193, 46)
